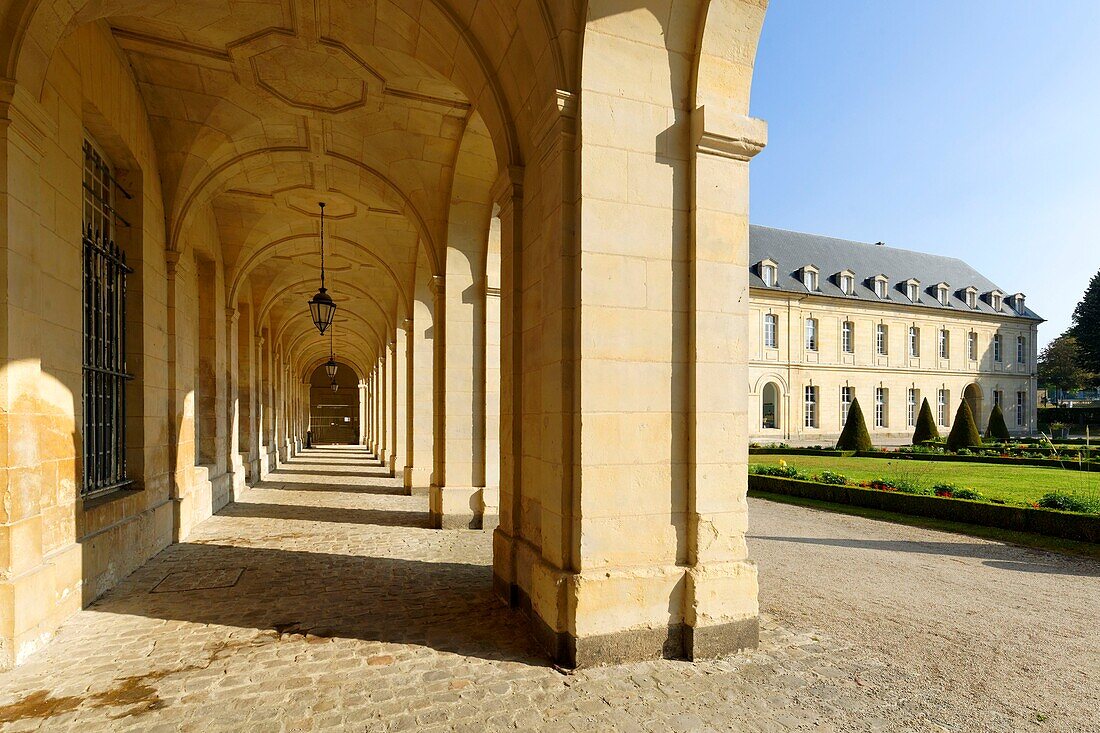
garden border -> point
(1049, 522)
(1067, 464)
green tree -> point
(855, 435)
(1061, 365)
(997, 429)
(1086, 326)
(926, 429)
(964, 433)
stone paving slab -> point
(350, 614)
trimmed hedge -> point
(926, 429)
(1067, 464)
(1050, 522)
(996, 429)
(964, 433)
(855, 435)
(801, 452)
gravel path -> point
(976, 634)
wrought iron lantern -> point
(322, 309)
(331, 365)
(335, 386)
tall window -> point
(847, 394)
(943, 295)
(943, 400)
(999, 398)
(880, 288)
(811, 334)
(1021, 408)
(882, 340)
(1021, 350)
(771, 331)
(913, 291)
(880, 407)
(995, 301)
(914, 341)
(809, 279)
(810, 407)
(104, 359)
(847, 337)
(847, 284)
(998, 354)
(971, 299)
(972, 345)
(945, 343)
(912, 398)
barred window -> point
(104, 359)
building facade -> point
(833, 321)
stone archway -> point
(334, 413)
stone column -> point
(418, 474)
(248, 437)
(363, 439)
(383, 390)
(397, 442)
(34, 422)
(233, 400)
(492, 367)
(720, 599)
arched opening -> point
(334, 413)
(973, 397)
(769, 407)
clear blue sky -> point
(968, 128)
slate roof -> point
(794, 250)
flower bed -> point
(1051, 522)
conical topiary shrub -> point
(855, 435)
(964, 433)
(997, 429)
(926, 430)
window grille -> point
(104, 368)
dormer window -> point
(809, 277)
(847, 282)
(880, 285)
(769, 272)
(1018, 303)
(912, 290)
(995, 299)
(943, 293)
(970, 297)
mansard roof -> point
(793, 249)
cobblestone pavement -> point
(322, 601)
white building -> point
(834, 320)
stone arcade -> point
(537, 219)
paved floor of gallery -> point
(322, 601)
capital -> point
(725, 135)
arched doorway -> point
(334, 413)
(973, 397)
(769, 412)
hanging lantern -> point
(330, 365)
(335, 386)
(322, 309)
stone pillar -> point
(418, 474)
(247, 351)
(397, 442)
(233, 400)
(402, 368)
(720, 598)
(383, 404)
(458, 499)
(492, 367)
(34, 422)
(363, 440)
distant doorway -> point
(769, 418)
(334, 414)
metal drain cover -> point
(184, 580)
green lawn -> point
(1022, 484)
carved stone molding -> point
(737, 137)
